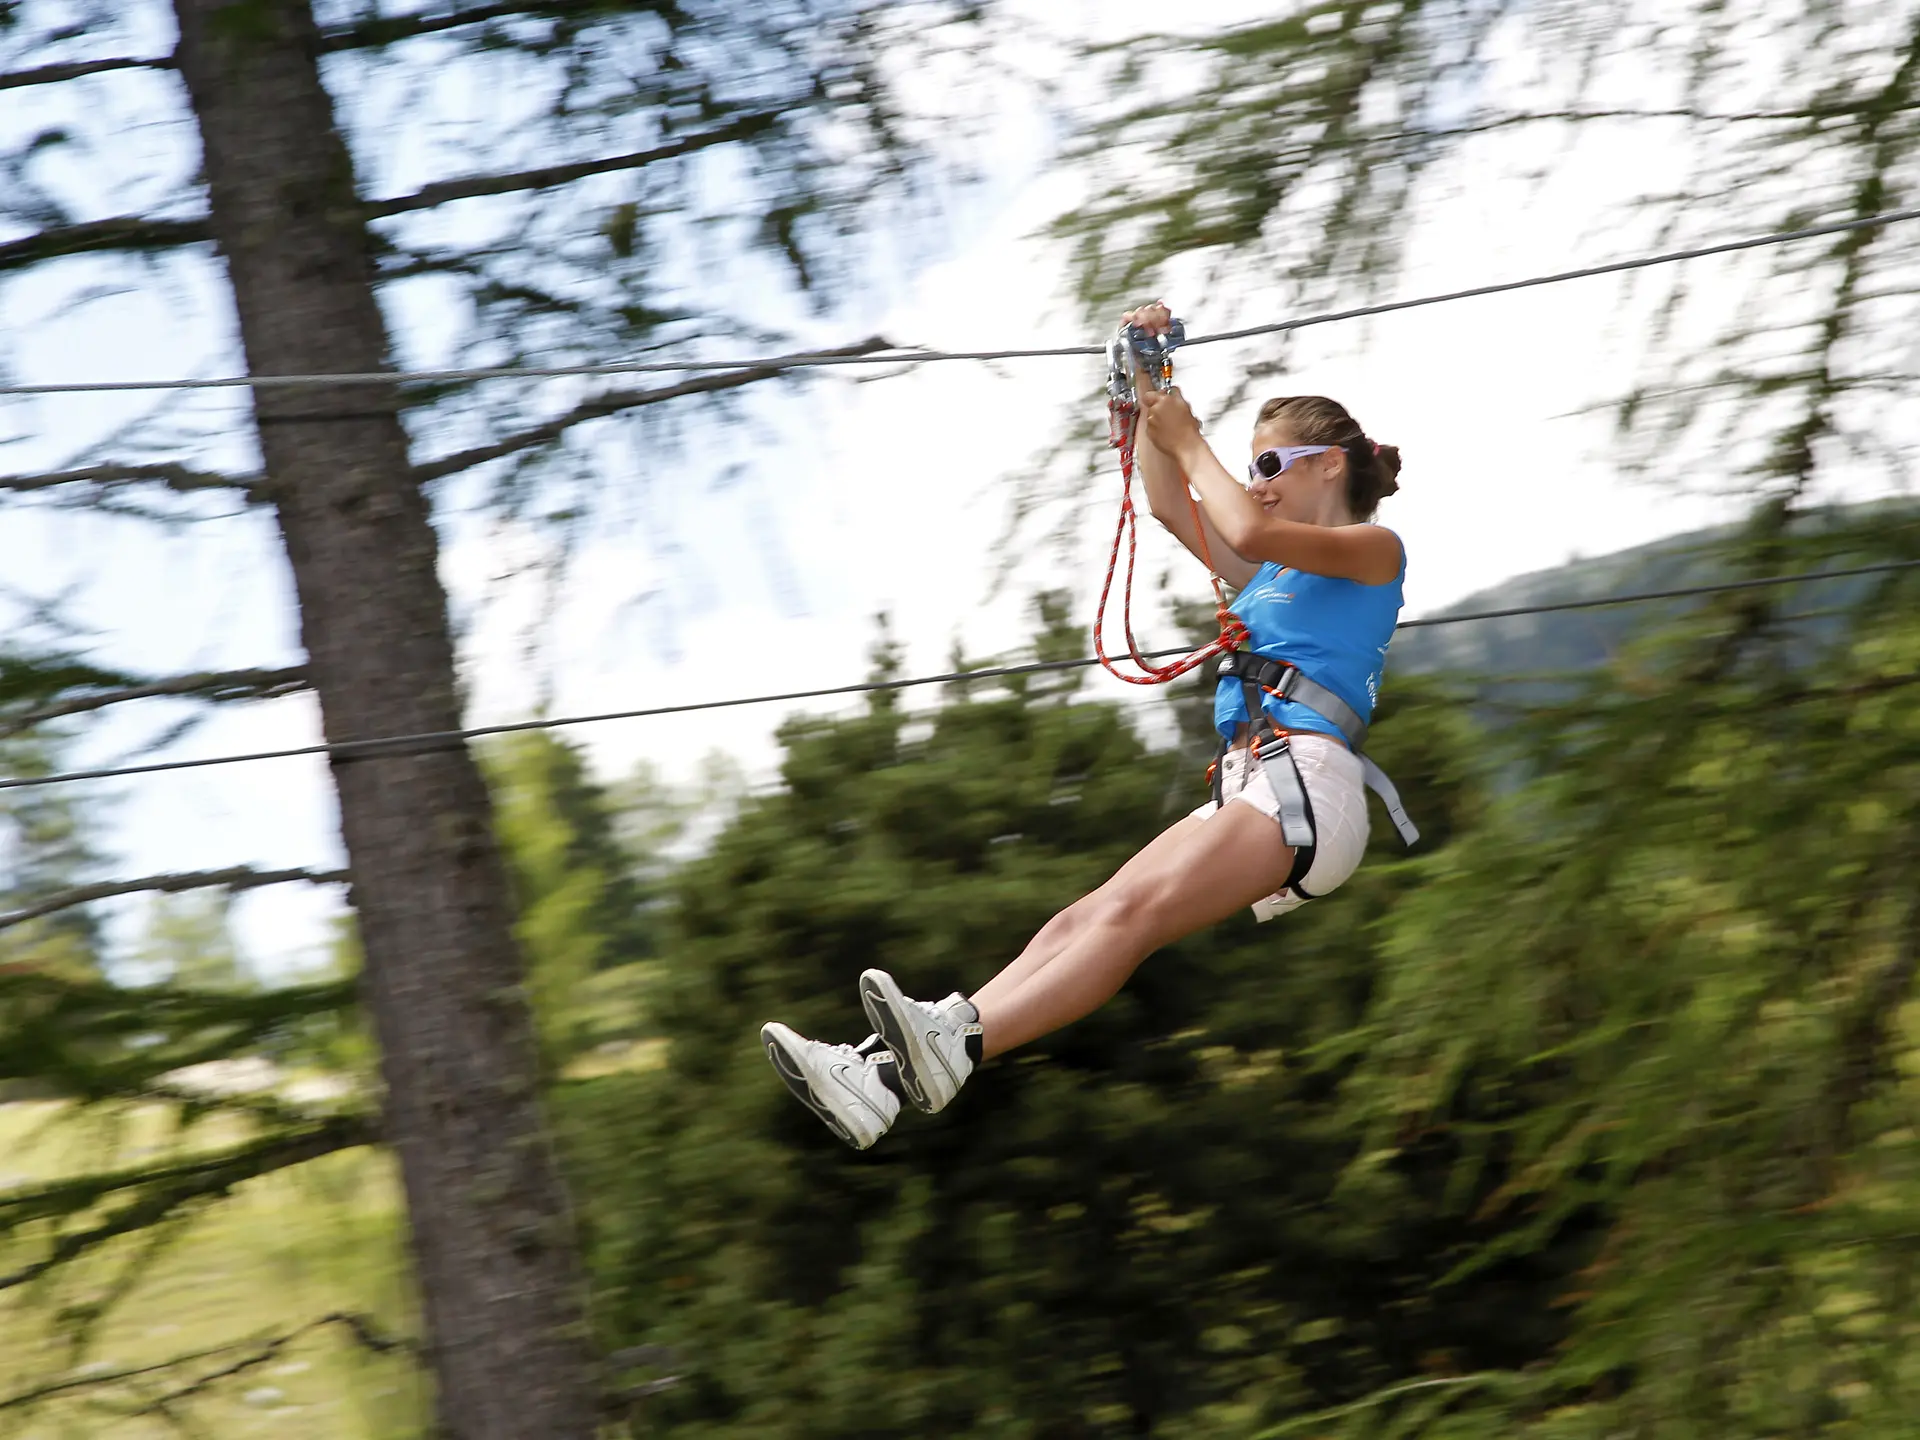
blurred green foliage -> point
(583, 913)
(1594, 1117)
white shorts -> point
(1330, 772)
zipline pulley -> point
(1136, 351)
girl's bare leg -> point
(1059, 932)
(1201, 874)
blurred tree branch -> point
(441, 192)
(162, 1191)
(380, 30)
(146, 234)
(364, 1331)
(122, 234)
(78, 69)
(370, 33)
(182, 478)
(615, 401)
(214, 685)
(238, 877)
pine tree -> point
(306, 249)
(587, 922)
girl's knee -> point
(1065, 924)
(1130, 907)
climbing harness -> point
(1259, 675)
(1135, 355)
(1276, 759)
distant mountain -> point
(1573, 640)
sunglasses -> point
(1269, 463)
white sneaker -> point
(845, 1085)
(935, 1046)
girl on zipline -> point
(1320, 592)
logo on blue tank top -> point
(1336, 631)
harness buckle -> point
(1276, 677)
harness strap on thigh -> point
(1283, 772)
(1296, 809)
(1276, 759)
(1296, 822)
(1297, 825)
(1378, 782)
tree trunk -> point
(498, 1270)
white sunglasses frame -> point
(1288, 454)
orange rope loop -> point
(1123, 417)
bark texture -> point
(498, 1270)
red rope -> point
(1122, 420)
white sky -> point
(881, 495)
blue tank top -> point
(1336, 631)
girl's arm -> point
(1368, 554)
(1166, 487)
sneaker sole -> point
(790, 1070)
(885, 1002)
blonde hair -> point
(1373, 471)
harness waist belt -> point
(1257, 672)
(1289, 683)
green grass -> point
(279, 1253)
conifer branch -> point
(181, 478)
(365, 34)
(139, 233)
(1498, 1380)
(76, 1194)
(72, 1383)
(467, 187)
(217, 686)
(1859, 690)
(364, 1331)
(613, 402)
(1360, 139)
(238, 877)
(1864, 1041)
(264, 1107)
(166, 1190)
(60, 71)
(376, 31)
(96, 1040)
